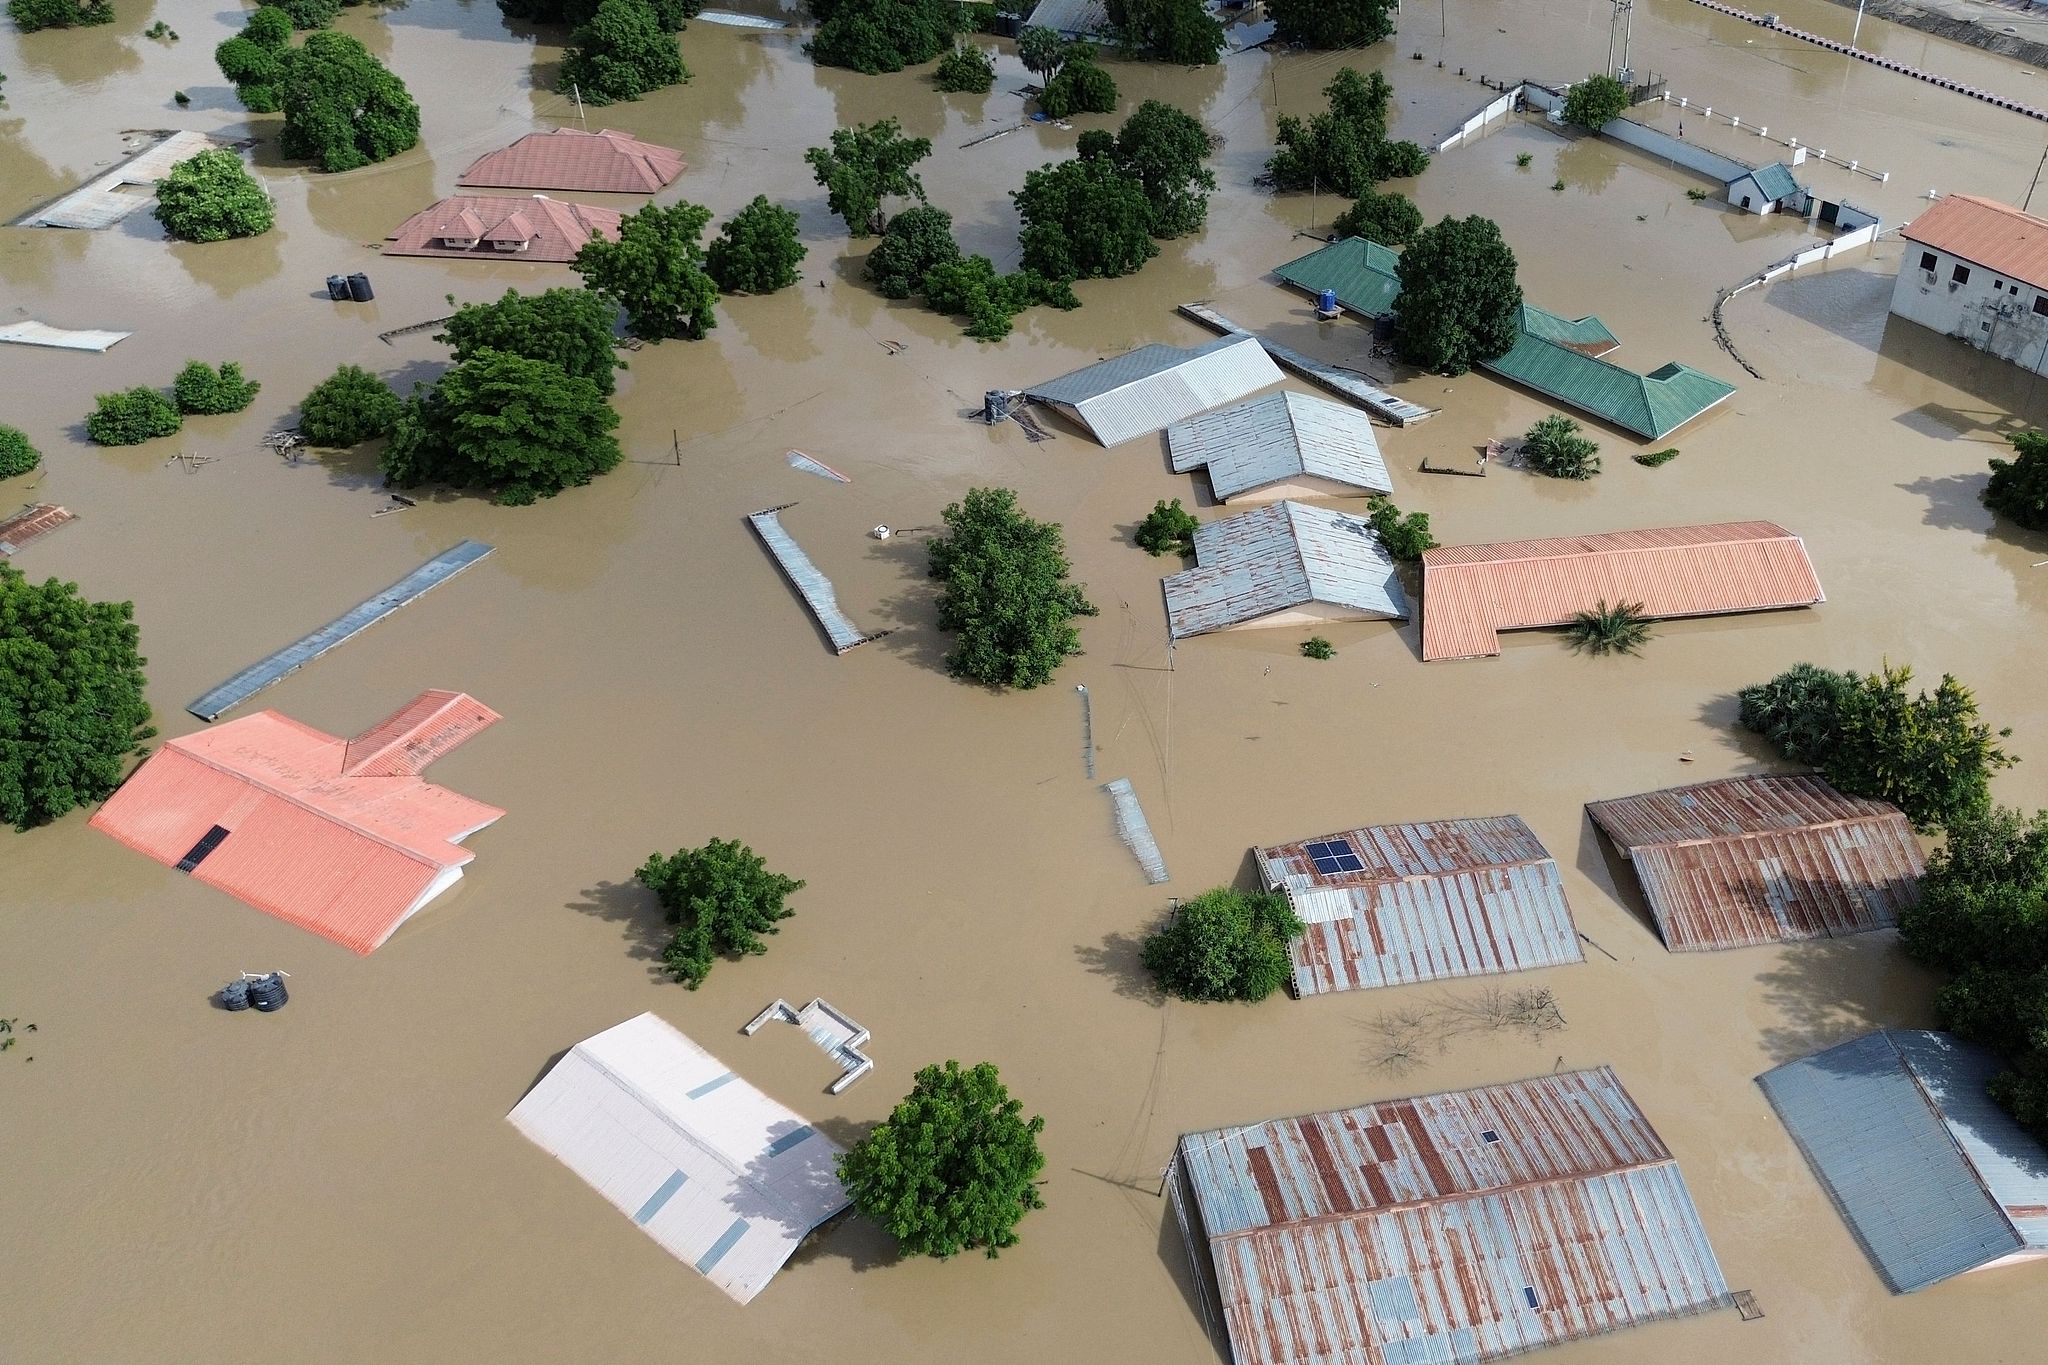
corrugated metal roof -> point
(1075, 18)
(1471, 592)
(1752, 860)
(1364, 274)
(36, 519)
(1279, 557)
(1402, 1231)
(106, 199)
(1587, 334)
(1431, 900)
(1931, 1176)
(1775, 180)
(606, 161)
(1153, 387)
(1652, 405)
(553, 229)
(1279, 437)
(723, 1177)
(1996, 236)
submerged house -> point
(1074, 18)
(1977, 270)
(342, 837)
(1151, 388)
(604, 162)
(1284, 564)
(1441, 1230)
(1765, 189)
(481, 225)
(1933, 1178)
(1385, 905)
(1281, 445)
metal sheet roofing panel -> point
(1364, 274)
(1587, 334)
(1278, 437)
(1280, 557)
(2012, 1165)
(1075, 18)
(1652, 405)
(1996, 236)
(1153, 387)
(1776, 181)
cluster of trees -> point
(873, 36)
(625, 49)
(254, 60)
(1344, 150)
(2019, 486)
(1332, 23)
(1179, 31)
(17, 454)
(721, 898)
(1006, 594)
(1555, 446)
(30, 15)
(965, 71)
(1079, 86)
(349, 407)
(1225, 944)
(655, 272)
(210, 197)
(866, 166)
(342, 108)
(132, 416)
(1097, 215)
(1460, 303)
(757, 251)
(575, 13)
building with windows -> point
(1977, 270)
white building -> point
(1977, 270)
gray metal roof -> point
(1278, 437)
(1278, 557)
(1153, 387)
(1931, 1176)
(1075, 18)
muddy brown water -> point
(337, 1181)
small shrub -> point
(180, 98)
(1167, 528)
(721, 898)
(1316, 647)
(1081, 87)
(17, 456)
(1523, 158)
(1402, 537)
(1657, 457)
(1619, 629)
(966, 71)
(1390, 219)
(1697, 196)
(2019, 487)
(131, 417)
(1554, 447)
(1558, 183)
(1595, 102)
(347, 408)
(201, 390)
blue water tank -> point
(1326, 302)
(359, 288)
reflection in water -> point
(1588, 164)
(228, 273)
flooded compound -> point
(338, 1180)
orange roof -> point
(1470, 592)
(342, 837)
(570, 159)
(552, 229)
(1996, 236)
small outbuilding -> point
(604, 162)
(472, 226)
(1365, 276)
(1281, 445)
(1284, 564)
(1766, 189)
(1151, 388)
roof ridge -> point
(1941, 1118)
(1616, 549)
(417, 855)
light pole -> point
(1854, 32)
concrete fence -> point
(1500, 107)
(1819, 251)
(1763, 131)
(1715, 167)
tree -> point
(569, 328)
(916, 240)
(255, 59)
(1459, 302)
(1331, 23)
(1006, 593)
(757, 251)
(17, 456)
(966, 71)
(501, 421)
(2019, 486)
(1164, 148)
(1554, 446)
(1390, 219)
(1043, 50)
(209, 197)
(1084, 219)
(671, 14)
(1179, 31)
(342, 109)
(30, 15)
(721, 898)
(1619, 629)
(1224, 945)
(873, 36)
(201, 390)
(953, 1168)
(1344, 150)
(1168, 527)
(622, 53)
(1931, 756)
(71, 698)
(1081, 87)
(132, 416)
(863, 167)
(1595, 102)
(971, 287)
(655, 271)
(309, 13)
(1404, 538)
(347, 408)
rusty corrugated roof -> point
(36, 519)
(606, 161)
(1752, 860)
(1996, 236)
(1449, 1228)
(1283, 557)
(1472, 592)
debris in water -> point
(1135, 832)
(799, 460)
(812, 586)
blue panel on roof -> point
(789, 1140)
(727, 1240)
(659, 1199)
(701, 1091)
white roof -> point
(1282, 556)
(1153, 387)
(725, 1178)
(1278, 437)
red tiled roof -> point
(1471, 592)
(340, 837)
(1996, 236)
(606, 162)
(554, 230)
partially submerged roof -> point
(1276, 438)
(1931, 1176)
(1153, 387)
(1472, 592)
(1587, 334)
(1363, 274)
(35, 520)
(1075, 18)
(1996, 236)
(1280, 557)
(1774, 180)
(1751, 860)
(1561, 359)
(723, 1177)
(114, 194)
(342, 837)
(1449, 1228)
(551, 229)
(1390, 904)
(606, 161)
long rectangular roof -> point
(1550, 360)
(1931, 1176)
(1363, 273)
(1278, 437)
(1421, 902)
(1472, 592)
(1996, 236)
(1278, 557)
(1075, 18)
(723, 1177)
(1449, 1228)
(1153, 387)
(606, 161)
(1750, 860)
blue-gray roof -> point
(1284, 556)
(1075, 18)
(1277, 438)
(1932, 1177)
(1153, 387)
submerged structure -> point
(1281, 445)
(111, 196)
(1285, 564)
(1450, 1228)
(1977, 270)
(603, 162)
(492, 226)
(1151, 388)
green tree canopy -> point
(671, 14)
(1555, 446)
(1403, 537)
(347, 408)
(500, 421)
(1459, 300)
(132, 416)
(1006, 593)
(201, 390)
(1182, 32)
(30, 15)
(1595, 102)
(655, 271)
(569, 328)
(917, 239)
(966, 71)
(1224, 945)
(209, 197)
(757, 251)
(342, 109)
(255, 59)
(873, 36)
(1044, 50)
(970, 287)
(1331, 23)
(1084, 219)
(1390, 219)
(71, 697)
(1167, 528)
(1164, 149)
(953, 1168)
(1344, 150)
(17, 455)
(721, 898)
(866, 165)
(309, 13)
(1081, 87)
(2019, 486)
(623, 52)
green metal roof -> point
(1363, 274)
(1573, 332)
(1775, 180)
(1651, 405)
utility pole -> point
(1622, 21)
(1855, 32)
(2037, 180)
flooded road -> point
(337, 1181)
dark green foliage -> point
(1459, 300)
(670, 14)
(201, 390)
(1553, 446)
(1619, 629)
(655, 271)
(131, 417)
(1595, 102)
(17, 456)
(254, 60)
(721, 898)
(966, 71)
(873, 36)
(971, 287)
(1006, 593)
(622, 52)
(916, 240)
(1345, 149)
(347, 408)
(309, 13)
(1332, 23)
(569, 328)
(165, 33)
(1044, 50)
(30, 15)
(1653, 458)
(71, 698)
(1095, 142)
(342, 109)
(1928, 755)
(2019, 486)
(1390, 219)
(1084, 219)
(866, 165)
(504, 422)
(1225, 944)
(1081, 87)
(757, 251)
(268, 27)
(1164, 148)
(1403, 537)
(953, 1168)
(1182, 32)
(181, 99)
(210, 197)
(1167, 528)
(1316, 647)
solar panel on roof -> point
(208, 842)
(1333, 857)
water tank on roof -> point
(1326, 304)
(359, 288)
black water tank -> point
(337, 288)
(267, 993)
(359, 288)
(235, 995)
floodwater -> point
(337, 1182)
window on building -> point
(2013, 290)
(1927, 260)
(1983, 326)
(1960, 275)
(2041, 305)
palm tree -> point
(1619, 629)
